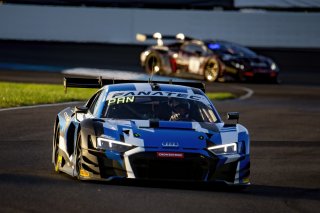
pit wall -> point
(119, 26)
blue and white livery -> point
(149, 131)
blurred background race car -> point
(242, 63)
(187, 57)
(209, 60)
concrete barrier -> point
(115, 25)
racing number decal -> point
(121, 100)
(194, 65)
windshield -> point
(161, 108)
(232, 49)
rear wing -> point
(159, 37)
(99, 82)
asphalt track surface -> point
(285, 153)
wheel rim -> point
(152, 64)
(212, 71)
(56, 150)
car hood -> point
(155, 134)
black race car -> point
(242, 63)
(209, 60)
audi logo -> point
(170, 144)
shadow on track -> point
(255, 190)
(252, 190)
(52, 180)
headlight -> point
(112, 145)
(237, 65)
(273, 66)
(230, 148)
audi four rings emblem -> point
(170, 144)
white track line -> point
(40, 106)
(249, 93)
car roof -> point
(152, 87)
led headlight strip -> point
(113, 145)
(230, 148)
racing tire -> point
(275, 80)
(57, 159)
(152, 64)
(241, 77)
(78, 156)
(212, 70)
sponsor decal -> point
(170, 155)
(194, 65)
(66, 116)
(129, 94)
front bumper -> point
(197, 165)
(260, 75)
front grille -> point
(109, 167)
(192, 167)
(225, 172)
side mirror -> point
(79, 112)
(233, 116)
(81, 109)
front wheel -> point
(152, 64)
(78, 166)
(212, 70)
(57, 158)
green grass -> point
(26, 94)
(220, 95)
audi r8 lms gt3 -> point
(242, 63)
(187, 57)
(149, 131)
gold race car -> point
(187, 57)
(209, 60)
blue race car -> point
(149, 130)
